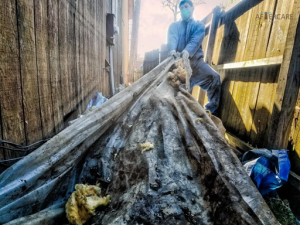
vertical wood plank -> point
(249, 104)
(54, 64)
(77, 56)
(264, 106)
(10, 81)
(218, 44)
(212, 35)
(227, 106)
(259, 31)
(81, 53)
(63, 55)
(41, 33)
(71, 55)
(25, 13)
(279, 29)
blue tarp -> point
(269, 170)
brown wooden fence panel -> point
(12, 116)
(54, 65)
(42, 59)
(51, 64)
(28, 68)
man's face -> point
(188, 7)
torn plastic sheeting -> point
(190, 175)
(268, 169)
(97, 100)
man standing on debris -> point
(186, 37)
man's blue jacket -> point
(187, 35)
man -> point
(186, 36)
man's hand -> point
(173, 53)
(185, 54)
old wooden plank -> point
(264, 106)
(86, 54)
(242, 24)
(54, 64)
(28, 66)
(230, 39)
(279, 28)
(92, 50)
(241, 102)
(212, 35)
(277, 60)
(239, 96)
(78, 46)
(252, 90)
(80, 69)
(237, 143)
(259, 31)
(10, 81)
(95, 48)
(288, 85)
(63, 55)
(218, 44)
(71, 56)
(103, 73)
(227, 105)
(44, 79)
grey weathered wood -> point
(288, 86)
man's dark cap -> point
(186, 1)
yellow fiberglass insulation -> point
(146, 146)
(83, 203)
(178, 75)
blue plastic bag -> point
(269, 170)
(97, 100)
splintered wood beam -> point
(237, 143)
(252, 63)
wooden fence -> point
(256, 58)
(52, 57)
(255, 48)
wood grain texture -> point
(28, 66)
(42, 60)
(54, 64)
(264, 106)
(63, 8)
(288, 85)
(51, 63)
(279, 29)
(12, 116)
(259, 31)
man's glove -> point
(185, 54)
(173, 53)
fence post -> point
(208, 53)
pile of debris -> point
(153, 149)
